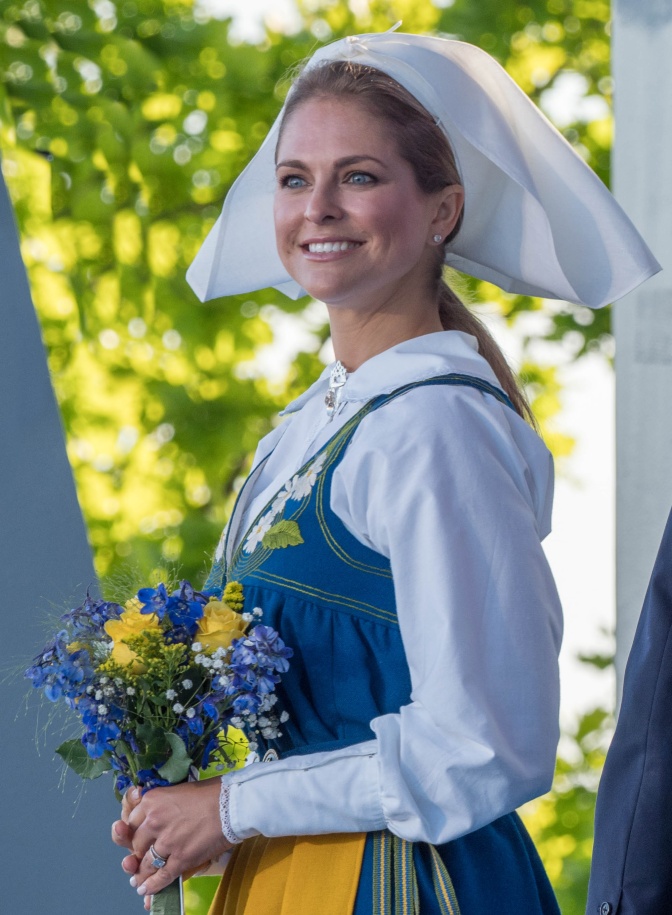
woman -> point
(423, 695)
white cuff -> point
(225, 816)
(315, 794)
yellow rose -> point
(131, 622)
(219, 626)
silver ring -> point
(157, 860)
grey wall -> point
(55, 851)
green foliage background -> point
(121, 127)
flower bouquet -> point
(157, 682)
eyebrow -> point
(340, 163)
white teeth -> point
(325, 247)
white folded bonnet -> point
(537, 220)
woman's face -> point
(352, 227)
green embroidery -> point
(281, 535)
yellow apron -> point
(292, 875)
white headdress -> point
(537, 220)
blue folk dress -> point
(332, 600)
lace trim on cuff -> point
(225, 817)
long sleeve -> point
(455, 490)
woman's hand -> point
(181, 822)
(122, 834)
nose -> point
(322, 204)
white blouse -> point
(456, 490)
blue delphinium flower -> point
(211, 746)
(271, 650)
(244, 675)
(246, 704)
(90, 618)
(266, 682)
(60, 672)
(255, 660)
(153, 600)
(184, 608)
(195, 724)
(122, 782)
(210, 709)
(150, 778)
(102, 730)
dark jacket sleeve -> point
(631, 872)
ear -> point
(450, 201)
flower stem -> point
(170, 901)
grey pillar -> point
(55, 851)
(642, 66)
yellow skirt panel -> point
(292, 875)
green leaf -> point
(75, 755)
(282, 534)
(177, 767)
(154, 745)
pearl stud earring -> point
(437, 238)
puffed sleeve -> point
(455, 490)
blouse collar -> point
(413, 360)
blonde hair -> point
(423, 144)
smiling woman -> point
(410, 494)
(356, 230)
(416, 176)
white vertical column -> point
(642, 165)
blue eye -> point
(292, 181)
(361, 178)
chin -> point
(329, 293)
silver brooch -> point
(337, 379)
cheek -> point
(404, 236)
(400, 222)
(282, 223)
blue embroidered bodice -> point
(331, 598)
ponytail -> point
(454, 315)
